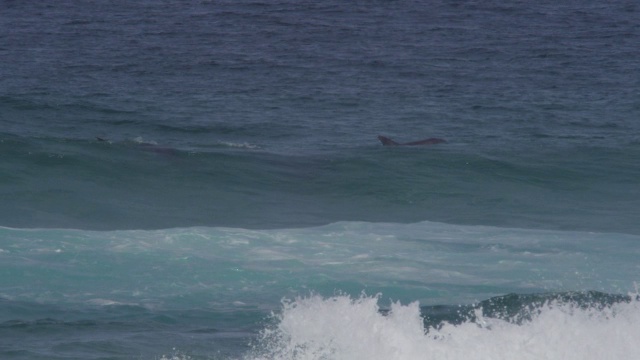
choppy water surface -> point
(170, 172)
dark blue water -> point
(211, 131)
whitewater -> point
(345, 328)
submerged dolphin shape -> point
(430, 141)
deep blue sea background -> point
(170, 171)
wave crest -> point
(341, 327)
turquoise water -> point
(203, 180)
(206, 292)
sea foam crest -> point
(243, 145)
(341, 327)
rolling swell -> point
(137, 183)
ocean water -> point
(203, 180)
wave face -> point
(141, 184)
(202, 179)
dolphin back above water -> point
(430, 141)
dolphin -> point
(430, 141)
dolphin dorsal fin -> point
(386, 141)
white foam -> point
(340, 327)
(142, 141)
(244, 145)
